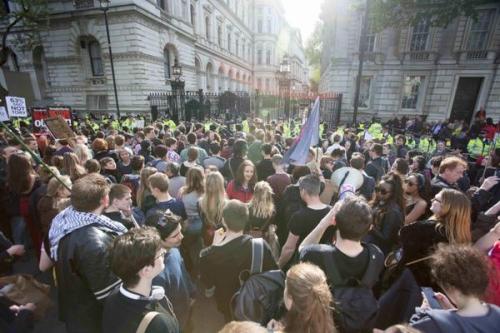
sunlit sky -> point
(302, 14)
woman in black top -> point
(388, 216)
(450, 223)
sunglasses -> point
(382, 190)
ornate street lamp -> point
(178, 88)
(105, 7)
(283, 77)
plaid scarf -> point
(70, 220)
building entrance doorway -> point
(465, 98)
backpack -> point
(260, 294)
(356, 306)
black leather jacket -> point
(84, 279)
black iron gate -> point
(234, 106)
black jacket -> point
(84, 279)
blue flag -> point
(309, 136)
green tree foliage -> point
(24, 21)
(313, 49)
(398, 13)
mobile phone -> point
(429, 296)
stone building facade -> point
(213, 40)
(440, 73)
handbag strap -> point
(257, 255)
(143, 325)
(417, 260)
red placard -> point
(40, 114)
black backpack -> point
(356, 306)
(261, 293)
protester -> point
(462, 272)
(211, 205)
(450, 223)
(415, 194)
(347, 259)
(242, 186)
(308, 301)
(230, 254)
(388, 216)
(79, 239)
(174, 278)
(137, 257)
(305, 220)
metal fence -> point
(234, 106)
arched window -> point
(219, 36)
(167, 62)
(193, 16)
(259, 57)
(207, 27)
(40, 65)
(13, 63)
(95, 59)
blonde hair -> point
(454, 216)
(213, 201)
(262, 204)
(71, 166)
(83, 153)
(55, 185)
(144, 184)
(53, 188)
(311, 309)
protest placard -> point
(16, 106)
(59, 128)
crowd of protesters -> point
(138, 223)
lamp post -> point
(283, 77)
(105, 7)
(361, 55)
(178, 88)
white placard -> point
(16, 106)
(3, 114)
(139, 123)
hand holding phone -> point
(428, 295)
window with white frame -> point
(369, 45)
(259, 25)
(420, 36)
(237, 46)
(480, 30)
(97, 102)
(412, 89)
(259, 57)
(96, 59)
(364, 92)
(229, 41)
(268, 57)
